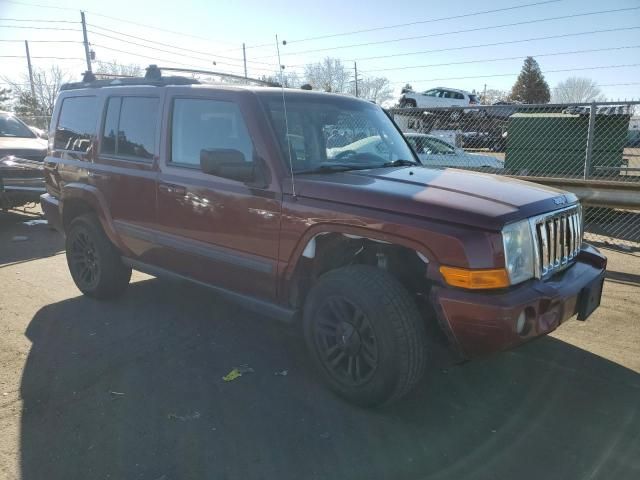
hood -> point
(456, 196)
(30, 148)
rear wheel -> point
(94, 263)
(365, 335)
(408, 103)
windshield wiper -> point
(401, 163)
(334, 168)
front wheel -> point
(94, 263)
(365, 335)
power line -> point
(33, 20)
(517, 73)
(41, 41)
(421, 22)
(115, 18)
(166, 44)
(519, 57)
(495, 44)
(156, 59)
(374, 29)
(477, 29)
(54, 58)
(209, 61)
(41, 28)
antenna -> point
(286, 121)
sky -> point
(474, 51)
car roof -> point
(258, 90)
(452, 90)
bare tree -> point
(492, 96)
(376, 89)
(577, 90)
(118, 69)
(287, 79)
(329, 75)
(46, 85)
(5, 97)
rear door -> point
(214, 229)
(126, 168)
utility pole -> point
(355, 67)
(87, 53)
(244, 57)
(33, 88)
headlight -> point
(518, 251)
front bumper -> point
(482, 323)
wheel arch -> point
(326, 247)
(79, 199)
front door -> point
(217, 230)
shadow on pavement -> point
(41, 240)
(622, 277)
(132, 389)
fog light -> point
(521, 322)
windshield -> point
(430, 145)
(10, 126)
(334, 132)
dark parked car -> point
(377, 256)
(16, 138)
(21, 182)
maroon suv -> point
(312, 207)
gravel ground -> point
(132, 389)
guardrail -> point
(595, 193)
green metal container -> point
(556, 143)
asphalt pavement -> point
(133, 389)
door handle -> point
(172, 189)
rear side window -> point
(199, 124)
(459, 96)
(77, 124)
(130, 127)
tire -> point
(408, 103)
(94, 263)
(365, 335)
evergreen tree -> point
(530, 87)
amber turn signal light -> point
(475, 279)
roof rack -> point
(153, 77)
(220, 74)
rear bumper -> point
(483, 323)
(51, 208)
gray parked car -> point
(434, 152)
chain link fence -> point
(593, 148)
(593, 144)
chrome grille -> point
(557, 239)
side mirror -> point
(227, 163)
